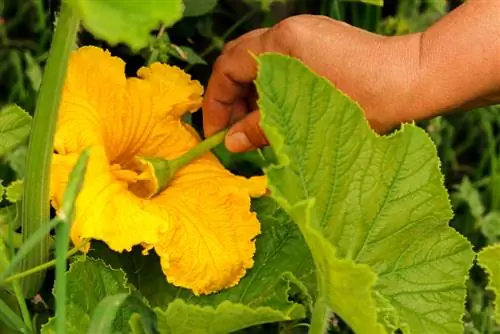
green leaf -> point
(275, 289)
(137, 325)
(89, 282)
(489, 259)
(7, 214)
(105, 313)
(490, 226)
(198, 7)
(7, 326)
(369, 2)
(129, 22)
(373, 210)
(264, 5)
(227, 317)
(15, 126)
(33, 71)
(14, 191)
(374, 2)
(186, 54)
(17, 160)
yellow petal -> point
(128, 117)
(163, 136)
(175, 93)
(210, 242)
(94, 90)
(105, 209)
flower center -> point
(139, 178)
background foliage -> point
(467, 143)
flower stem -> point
(164, 169)
(200, 149)
(36, 195)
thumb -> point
(246, 134)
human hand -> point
(380, 73)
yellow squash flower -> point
(201, 225)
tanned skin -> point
(453, 65)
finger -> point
(233, 74)
(221, 95)
(246, 135)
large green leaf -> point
(198, 7)
(373, 209)
(489, 259)
(15, 126)
(283, 270)
(127, 21)
(90, 281)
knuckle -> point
(291, 26)
(218, 64)
(286, 32)
(228, 46)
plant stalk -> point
(200, 149)
(319, 319)
(5, 262)
(165, 170)
(36, 208)
(39, 268)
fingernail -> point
(237, 142)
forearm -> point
(459, 59)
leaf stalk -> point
(36, 207)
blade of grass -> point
(36, 195)
(11, 319)
(5, 262)
(62, 237)
(41, 267)
(28, 245)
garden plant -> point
(118, 216)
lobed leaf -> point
(489, 259)
(89, 282)
(15, 126)
(14, 191)
(129, 22)
(275, 289)
(373, 210)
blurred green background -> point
(467, 142)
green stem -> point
(5, 262)
(36, 195)
(164, 170)
(22, 304)
(200, 149)
(153, 56)
(335, 10)
(29, 244)
(38, 268)
(225, 36)
(319, 319)
(62, 244)
(11, 319)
